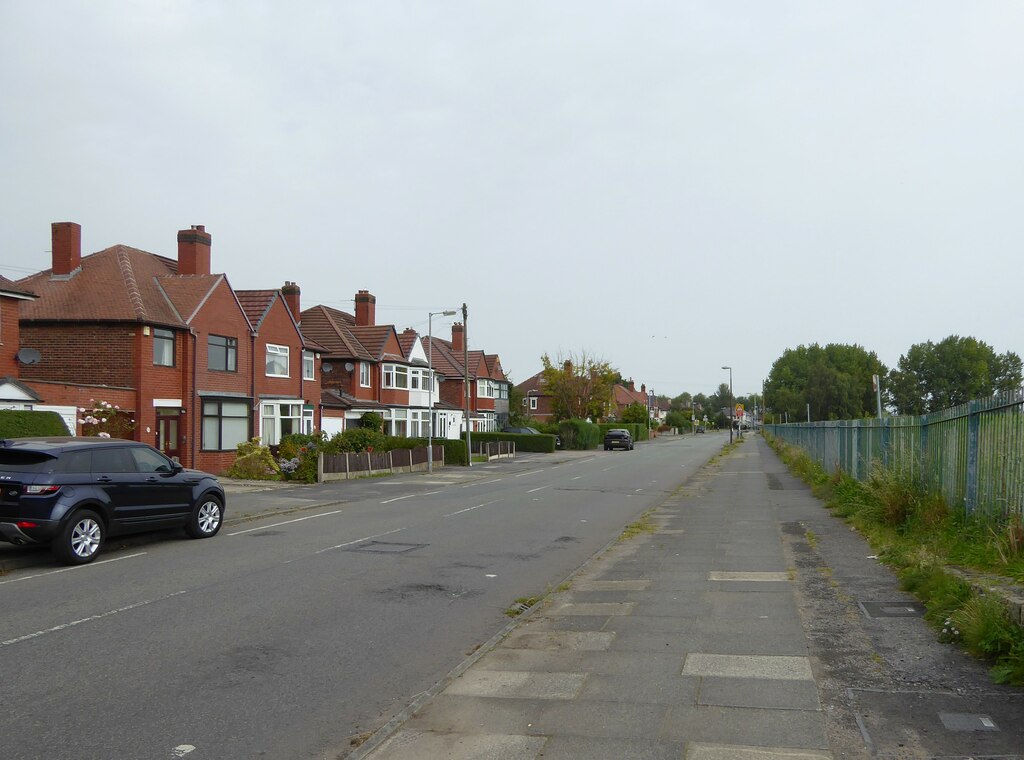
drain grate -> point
(383, 547)
(896, 609)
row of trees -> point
(836, 379)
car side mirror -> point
(176, 467)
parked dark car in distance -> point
(531, 431)
(618, 439)
(74, 493)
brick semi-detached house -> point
(170, 343)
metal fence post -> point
(973, 424)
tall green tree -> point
(933, 376)
(835, 380)
(635, 413)
(682, 401)
(580, 385)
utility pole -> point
(465, 367)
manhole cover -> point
(895, 609)
(967, 722)
(383, 547)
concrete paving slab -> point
(585, 748)
(475, 715)
(664, 642)
(652, 624)
(758, 692)
(699, 751)
(516, 684)
(602, 585)
(745, 726)
(571, 608)
(761, 642)
(724, 575)
(571, 623)
(427, 745)
(747, 666)
(619, 720)
(591, 641)
(658, 687)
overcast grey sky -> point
(672, 186)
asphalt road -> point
(293, 636)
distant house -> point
(536, 403)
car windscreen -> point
(25, 461)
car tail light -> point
(39, 490)
(27, 524)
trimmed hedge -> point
(19, 423)
(542, 443)
(580, 434)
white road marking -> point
(531, 472)
(577, 477)
(76, 567)
(470, 509)
(358, 541)
(541, 488)
(182, 749)
(481, 483)
(286, 522)
(490, 575)
(61, 627)
(399, 498)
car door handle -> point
(152, 479)
(103, 479)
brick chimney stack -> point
(66, 245)
(458, 336)
(643, 388)
(194, 250)
(366, 309)
(291, 293)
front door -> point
(167, 433)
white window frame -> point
(395, 376)
(364, 374)
(533, 402)
(278, 351)
(308, 366)
(271, 415)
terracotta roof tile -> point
(115, 284)
(329, 329)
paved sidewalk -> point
(686, 642)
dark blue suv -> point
(75, 492)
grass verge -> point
(915, 533)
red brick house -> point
(286, 382)
(536, 403)
(166, 340)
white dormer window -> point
(308, 366)
(364, 374)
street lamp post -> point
(732, 407)
(430, 375)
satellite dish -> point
(349, 366)
(28, 356)
(326, 367)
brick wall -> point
(92, 354)
(9, 337)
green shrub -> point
(372, 421)
(254, 462)
(20, 423)
(580, 435)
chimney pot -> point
(366, 309)
(66, 246)
(194, 250)
(291, 294)
(458, 336)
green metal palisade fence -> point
(973, 454)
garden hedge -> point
(19, 423)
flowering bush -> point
(253, 461)
(105, 420)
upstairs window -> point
(307, 365)
(364, 374)
(395, 376)
(277, 361)
(163, 347)
(222, 353)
